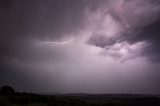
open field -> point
(26, 99)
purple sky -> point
(84, 46)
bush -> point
(7, 90)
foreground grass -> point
(26, 99)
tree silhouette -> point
(7, 90)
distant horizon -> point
(68, 93)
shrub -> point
(7, 90)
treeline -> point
(10, 97)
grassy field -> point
(26, 99)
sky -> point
(80, 46)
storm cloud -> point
(92, 46)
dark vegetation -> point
(9, 97)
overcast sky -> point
(80, 46)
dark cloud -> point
(101, 40)
(34, 57)
(150, 34)
(140, 26)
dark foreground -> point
(9, 97)
(26, 99)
